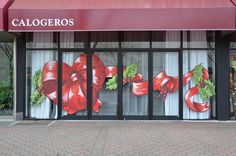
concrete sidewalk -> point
(81, 138)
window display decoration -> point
(232, 87)
(129, 74)
(37, 97)
(167, 84)
(6, 78)
(74, 84)
(233, 62)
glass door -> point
(73, 85)
(105, 85)
(135, 82)
(165, 76)
(77, 93)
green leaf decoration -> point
(206, 87)
(197, 74)
(112, 83)
(129, 73)
(207, 91)
(233, 62)
(37, 98)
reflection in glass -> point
(6, 78)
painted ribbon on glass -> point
(74, 84)
(167, 84)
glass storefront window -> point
(104, 39)
(232, 45)
(74, 84)
(41, 40)
(6, 78)
(232, 39)
(136, 65)
(135, 74)
(41, 84)
(233, 84)
(165, 84)
(134, 39)
(105, 98)
(198, 39)
(166, 39)
(73, 39)
(199, 84)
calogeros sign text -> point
(64, 22)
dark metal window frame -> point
(88, 50)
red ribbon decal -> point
(166, 84)
(74, 84)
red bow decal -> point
(74, 83)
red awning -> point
(99, 15)
(234, 2)
(4, 4)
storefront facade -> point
(154, 57)
(72, 67)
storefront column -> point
(20, 64)
(222, 76)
